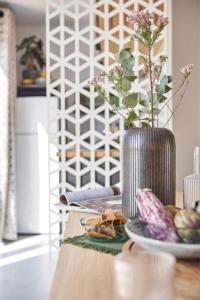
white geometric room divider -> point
(82, 38)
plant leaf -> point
(166, 79)
(126, 59)
(132, 116)
(145, 124)
(131, 78)
(161, 98)
(131, 100)
(169, 79)
(114, 100)
(129, 122)
(129, 75)
(160, 89)
(126, 84)
(167, 88)
(118, 87)
(163, 88)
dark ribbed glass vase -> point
(149, 161)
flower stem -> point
(151, 85)
(173, 95)
(180, 100)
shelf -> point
(87, 153)
(31, 90)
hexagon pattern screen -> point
(82, 38)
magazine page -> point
(79, 196)
(100, 204)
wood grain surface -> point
(83, 274)
(187, 281)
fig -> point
(187, 218)
(152, 210)
(162, 234)
(189, 235)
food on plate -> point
(98, 235)
(160, 221)
(162, 234)
(152, 210)
(189, 235)
(108, 225)
(187, 222)
(172, 210)
(187, 218)
(168, 223)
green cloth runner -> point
(113, 248)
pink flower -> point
(187, 70)
(116, 69)
(142, 18)
(97, 79)
(162, 21)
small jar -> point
(191, 183)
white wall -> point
(23, 31)
(186, 49)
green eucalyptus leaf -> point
(160, 89)
(145, 119)
(163, 88)
(161, 98)
(132, 116)
(131, 78)
(126, 59)
(116, 76)
(143, 102)
(167, 88)
(166, 79)
(145, 125)
(118, 87)
(129, 75)
(131, 100)
(114, 100)
(169, 79)
(126, 84)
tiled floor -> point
(26, 269)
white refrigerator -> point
(32, 173)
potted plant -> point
(33, 57)
(148, 147)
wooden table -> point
(83, 274)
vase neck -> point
(196, 163)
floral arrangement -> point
(142, 109)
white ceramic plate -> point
(135, 230)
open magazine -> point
(96, 205)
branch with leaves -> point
(141, 109)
